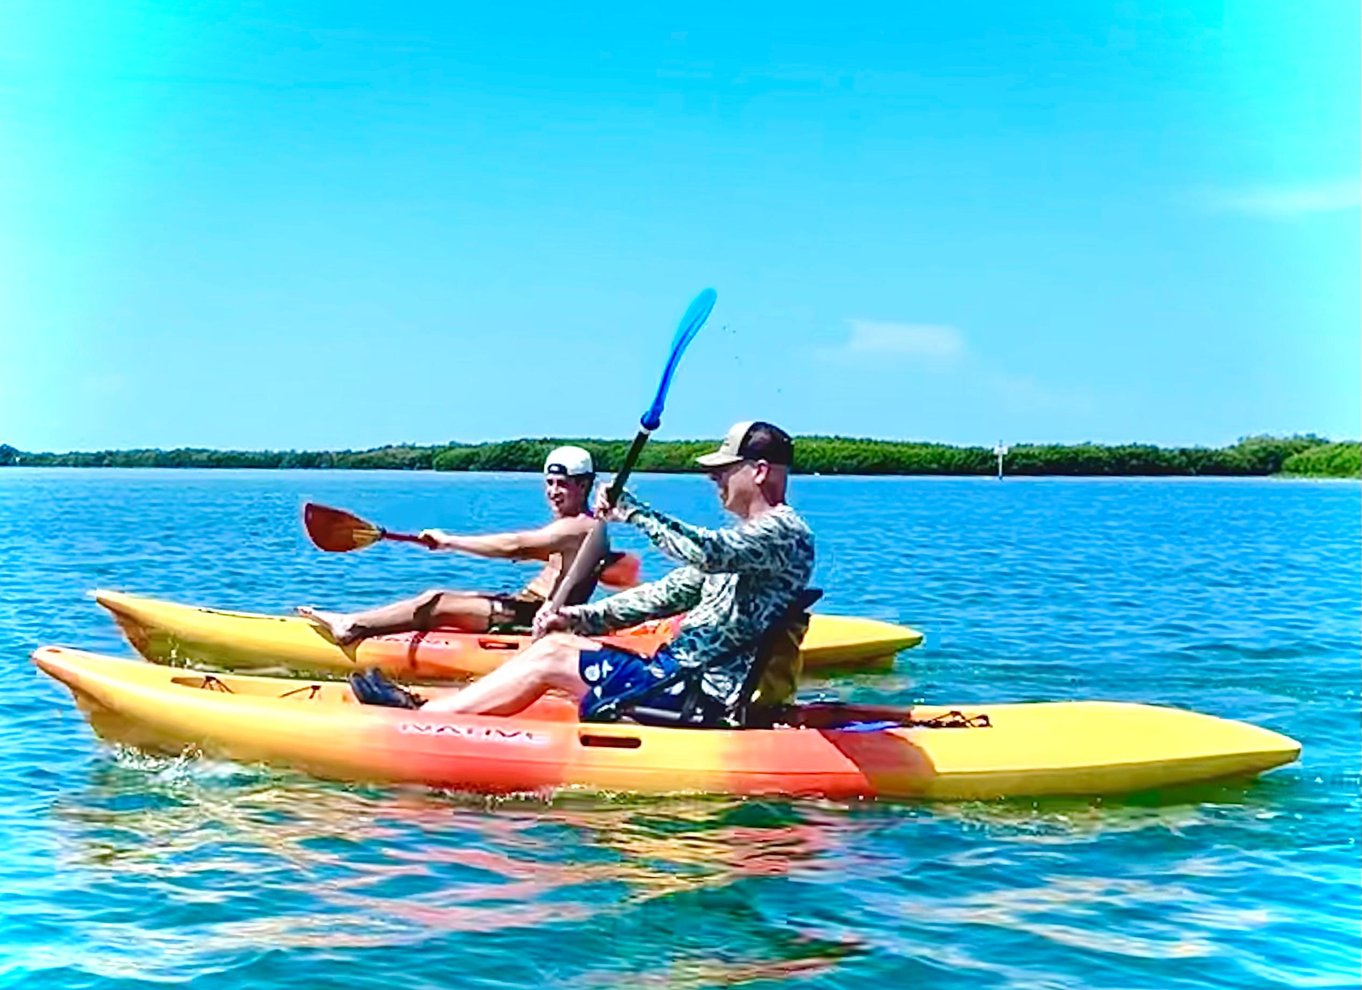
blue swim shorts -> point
(613, 676)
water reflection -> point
(193, 861)
(277, 861)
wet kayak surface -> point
(1236, 598)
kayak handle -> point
(609, 742)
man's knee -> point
(555, 656)
(439, 601)
(426, 604)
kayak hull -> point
(1027, 750)
(166, 632)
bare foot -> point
(337, 626)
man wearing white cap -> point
(568, 477)
(734, 584)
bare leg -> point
(516, 684)
(430, 610)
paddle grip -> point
(407, 538)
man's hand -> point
(547, 620)
(435, 539)
(603, 508)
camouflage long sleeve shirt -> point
(735, 583)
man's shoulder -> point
(787, 516)
(782, 521)
(573, 525)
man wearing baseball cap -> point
(568, 476)
(734, 584)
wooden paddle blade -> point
(336, 530)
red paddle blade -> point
(622, 572)
(336, 530)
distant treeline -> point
(1262, 455)
(1327, 460)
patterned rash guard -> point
(736, 582)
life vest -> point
(780, 662)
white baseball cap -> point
(571, 461)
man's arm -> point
(748, 548)
(559, 536)
(677, 592)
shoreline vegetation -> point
(1305, 456)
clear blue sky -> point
(315, 225)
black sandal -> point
(372, 688)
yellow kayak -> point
(977, 751)
(166, 632)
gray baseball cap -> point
(753, 440)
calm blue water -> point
(1238, 598)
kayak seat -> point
(767, 690)
(611, 558)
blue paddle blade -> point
(690, 325)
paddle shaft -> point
(593, 547)
(616, 489)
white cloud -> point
(936, 344)
(1285, 202)
(941, 349)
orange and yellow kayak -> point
(1074, 748)
(166, 632)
